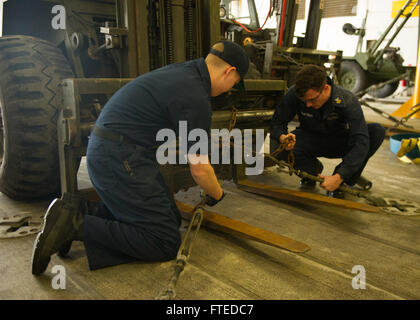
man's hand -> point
(331, 183)
(203, 174)
(292, 140)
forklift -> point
(104, 43)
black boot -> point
(62, 224)
(87, 208)
(308, 183)
(364, 183)
(336, 194)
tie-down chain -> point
(390, 205)
(20, 225)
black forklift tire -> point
(384, 91)
(31, 71)
(352, 77)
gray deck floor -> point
(225, 267)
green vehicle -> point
(375, 65)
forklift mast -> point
(149, 34)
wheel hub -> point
(348, 80)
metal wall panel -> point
(339, 8)
(301, 10)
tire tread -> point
(32, 100)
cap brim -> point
(240, 86)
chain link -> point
(290, 156)
(386, 115)
(379, 202)
(184, 250)
(232, 122)
(402, 121)
(376, 201)
(380, 85)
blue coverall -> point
(336, 130)
(139, 220)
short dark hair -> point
(310, 77)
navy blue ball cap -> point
(235, 56)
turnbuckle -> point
(184, 251)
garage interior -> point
(339, 236)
